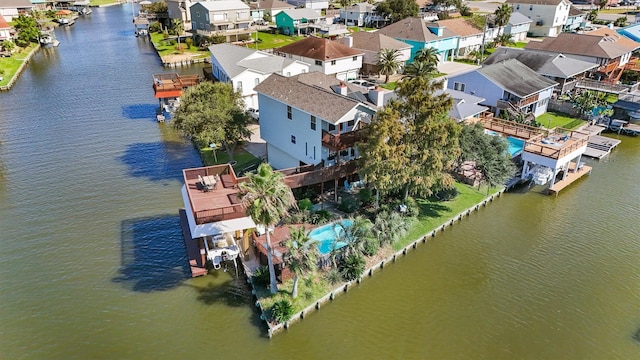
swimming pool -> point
(515, 145)
(327, 234)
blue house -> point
(421, 35)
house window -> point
(318, 62)
(289, 112)
(198, 14)
(313, 122)
(355, 58)
(257, 81)
(239, 86)
(351, 122)
(458, 86)
(333, 62)
(293, 139)
(332, 127)
(288, 73)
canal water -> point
(92, 263)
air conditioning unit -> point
(539, 23)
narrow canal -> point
(92, 263)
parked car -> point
(364, 83)
(254, 113)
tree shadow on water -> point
(140, 111)
(160, 161)
(153, 256)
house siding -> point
(547, 20)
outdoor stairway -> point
(600, 146)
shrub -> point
(446, 194)
(352, 267)
(8, 45)
(282, 310)
(188, 42)
(260, 277)
(305, 204)
(218, 39)
(323, 216)
(365, 196)
(348, 206)
(155, 27)
(165, 34)
(370, 247)
(172, 42)
(308, 295)
(333, 276)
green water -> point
(92, 264)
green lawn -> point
(102, 2)
(356, 29)
(309, 291)
(434, 213)
(242, 157)
(268, 41)
(9, 66)
(554, 119)
(389, 86)
(164, 47)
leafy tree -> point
(475, 55)
(8, 45)
(389, 227)
(302, 256)
(212, 113)
(502, 15)
(388, 62)
(345, 3)
(397, 10)
(488, 152)
(27, 30)
(156, 8)
(411, 144)
(587, 100)
(267, 199)
(592, 15)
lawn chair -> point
(347, 187)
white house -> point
(219, 16)
(518, 26)
(548, 16)
(470, 37)
(5, 29)
(371, 44)
(10, 9)
(326, 56)
(361, 14)
(310, 4)
(505, 86)
(245, 68)
(313, 118)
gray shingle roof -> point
(413, 28)
(592, 44)
(544, 63)
(516, 78)
(233, 60)
(464, 105)
(535, 2)
(309, 92)
(517, 18)
(303, 13)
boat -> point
(46, 40)
(541, 174)
(85, 11)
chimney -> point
(348, 41)
(376, 96)
(343, 88)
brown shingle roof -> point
(460, 26)
(374, 41)
(606, 44)
(3, 23)
(574, 11)
(319, 49)
(413, 28)
(15, 4)
(309, 92)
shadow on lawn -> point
(431, 208)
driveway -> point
(452, 67)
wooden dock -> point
(195, 259)
(572, 176)
(600, 146)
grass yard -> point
(434, 213)
(356, 28)
(554, 119)
(268, 41)
(389, 86)
(310, 289)
(241, 156)
(104, 2)
(164, 47)
(9, 65)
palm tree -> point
(302, 255)
(267, 199)
(504, 40)
(354, 236)
(389, 227)
(502, 15)
(178, 27)
(419, 69)
(388, 62)
(428, 55)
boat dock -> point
(600, 146)
(572, 176)
(193, 253)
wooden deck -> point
(193, 253)
(600, 146)
(571, 177)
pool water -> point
(515, 145)
(327, 234)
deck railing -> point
(341, 141)
(511, 128)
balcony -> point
(308, 175)
(172, 85)
(341, 141)
(518, 104)
(609, 67)
(556, 144)
(510, 128)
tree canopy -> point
(212, 113)
(488, 152)
(27, 27)
(412, 143)
(398, 9)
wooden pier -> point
(600, 146)
(193, 253)
(572, 176)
